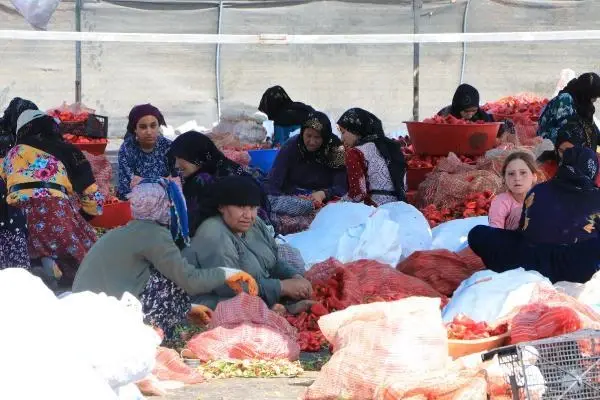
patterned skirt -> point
(13, 250)
(165, 305)
(58, 231)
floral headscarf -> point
(161, 200)
(330, 153)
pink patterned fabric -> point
(150, 201)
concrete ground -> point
(244, 388)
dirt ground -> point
(244, 388)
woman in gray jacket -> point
(143, 259)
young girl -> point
(520, 174)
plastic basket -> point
(96, 126)
(414, 177)
(114, 215)
(460, 348)
(263, 159)
(96, 149)
(441, 139)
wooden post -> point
(417, 5)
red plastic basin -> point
(96, 149)
(441, 139)
(114, 215)
(414, 177)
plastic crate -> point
(441, 139)
(263, 159)
(96, 126)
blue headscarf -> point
(178, 210)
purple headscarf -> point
(140, 111)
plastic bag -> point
(376, 343)
(321, 240)
(244, 328)
(47, 366)
(111, 335)
(36, 12)
(414, 233)
(488, 296)
(587, 293)
(452, 235)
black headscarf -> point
(583, 89)
(230, 191)
(280, 108)
(200, 150)
(8, 122)
(43, 134)
(578, 169)
(330, 152)
(466, 96)
(370, 129)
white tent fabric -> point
(180, 79)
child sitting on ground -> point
(520, 175)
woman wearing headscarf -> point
(311, 164)
(235, 237)
(375, 164)
(465, 105)
(200, 163)
(143, 153)
(572, 112)
(142, 258)
(13, 225)
(41, 173)
(563, 209)
(287, 115)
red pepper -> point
(318, 309)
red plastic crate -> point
(441, 139)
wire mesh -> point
(562, 368)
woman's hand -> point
(200, 315)
(135, 180)
(319, 196)
(296, 288)
(235, 283)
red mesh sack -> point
(442, 269)
(452, 181)
(240, 157)
(446, 385)
(244, 328)
(377, 343)
(102, 171)
(549, 312)
(380, 282)
(539, 321)
(350, 292)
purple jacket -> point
(292, 175)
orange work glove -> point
(235, 282)
(199, 315)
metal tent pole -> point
(416, 6)
(218, 64)
(78, 4)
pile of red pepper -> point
(450, 120)
(420, 162)
(464, 328)
(529, 106)
(329, 297)
(68, 116)
(475, 205)
(76, 139)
